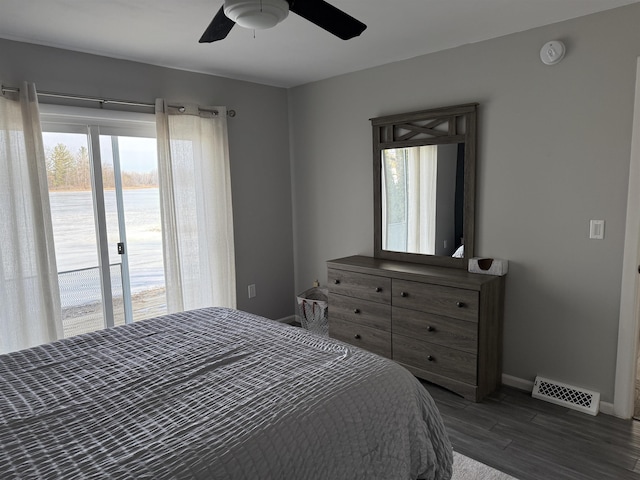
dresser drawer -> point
(371, 339)
(444, 361)
(437, 299)
(360, 285)
(363, 312)
(450, 332)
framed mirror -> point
(424, 185)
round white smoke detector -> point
(552, 52)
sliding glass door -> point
(103, 185)
(132, 201)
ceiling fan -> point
(261, 14)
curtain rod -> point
(103, 101)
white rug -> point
(465, 468)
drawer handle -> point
(357, 336)
(378, 289)
(430, 358)
(336, 281)
(431, 329)
(460, 304)
(404, 294)
(356, 310)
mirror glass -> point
(424, 185)
(423, 199)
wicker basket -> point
(314, 310)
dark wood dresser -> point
(442, 324)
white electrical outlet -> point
(252, 290)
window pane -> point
(141, 202)
(69, 178)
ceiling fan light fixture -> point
(256, 14)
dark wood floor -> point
(535, 440)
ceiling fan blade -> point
(328, 17)
(218, 29)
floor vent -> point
(569, 396)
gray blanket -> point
(214, 394)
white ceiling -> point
(166, 33)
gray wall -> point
(554, 148)
(258, 144)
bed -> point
(214, 394)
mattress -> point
(214, 394)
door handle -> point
(120, 248)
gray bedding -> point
(214, 394)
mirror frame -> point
(417, 129)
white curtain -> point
(422, 173)
(30, 312)
(195, 199)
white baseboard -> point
(519, 383)
(527, 386)
(291, 319)
(606, 408)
